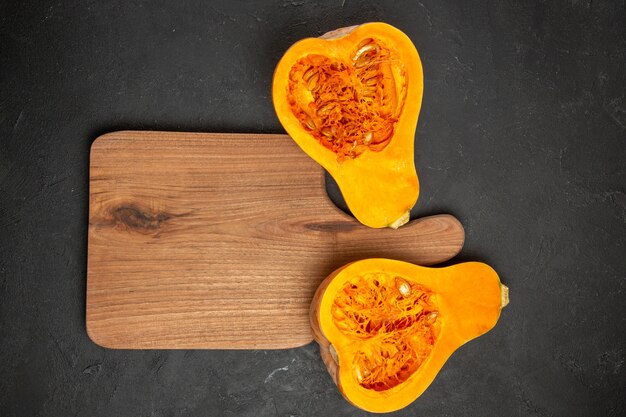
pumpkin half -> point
(350, 99)
(385, 327)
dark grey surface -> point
(522, 136)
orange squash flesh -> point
(385, 327)
(350, 99)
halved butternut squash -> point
(350, 99)
(385, 327)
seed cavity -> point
(353, 106)
(392, 321)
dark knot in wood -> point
(137, 219)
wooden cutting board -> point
(220, 240)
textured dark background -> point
(522, 136)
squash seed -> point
(312, 82)
(403, 287)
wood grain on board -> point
(220, 240)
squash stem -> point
(504, 296)
(404, 219)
